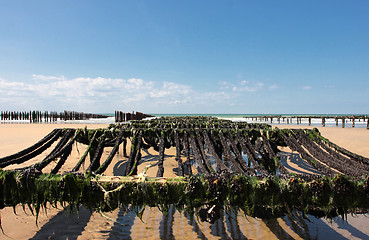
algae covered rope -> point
(178, 154)
(47, 138)
(275, 162)
(318, 153)
(254, 158)
(197, 154)
(137, 155)
(250, 156)
(125, 147)
(160, 172)
(64, 139)
(133, 151)
(294, 145)
(238, 155)
(83, 158)
(65, 153)
(216, 143)
(95, 162)
(33, 154)
(187, 152)
(356, 165)
(61, 147)
(268, 197)
(63, 158)
(118, 141)
(200, 141)
(220, 164)
(228, 154)
(267, 146)
(360, 166)
(320, 139)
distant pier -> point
(338, 120)
(45, 116)
(126, 116)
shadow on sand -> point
(303, 166)
(64, 225)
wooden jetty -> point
(295, 119)
(46, 116)
(126, 116)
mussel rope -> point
(63, 158)
(250, 156)
(62, 147)
(239, 157)
(273, 156)
(197, 155)
(319, 153)
(118, 141)
(220, 164)
(178, 154)
(187, 153)
(95, 163)
(351, 155)
(64, 139)
(200, 141)
(33, 154)
(355, 164)
(292, 143)
(83, 158)
(133, 152)
(160, 172)
(137, 156)
(255, 157)
(33, 147)
(228, 154)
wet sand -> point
(58, 225)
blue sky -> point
(185, 56)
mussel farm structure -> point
(221, 165)
(46, 116)
(341, 120)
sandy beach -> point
(56, 224)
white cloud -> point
(242, 86)
(46, 78)
(307, 87)
(58, 93)
(225, 85)
(95, 94)
(244, 82)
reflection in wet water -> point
(122, 226)
(166, 224)
(180, 225)
(231, 225)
